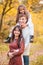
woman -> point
(16, 47)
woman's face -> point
(16, 32)
(21, 9)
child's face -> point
(16, 32)
(21, 10)
(22, 21)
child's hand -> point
(23, 25)
(31, 38)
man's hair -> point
(23, 15)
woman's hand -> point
(16, 50)
(10, 54)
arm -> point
(31, 28)
(20, 50)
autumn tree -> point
(6, 3)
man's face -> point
(22, 21)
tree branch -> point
(8, 10)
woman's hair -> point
(20, 36)
(25, 12)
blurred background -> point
(8, 11)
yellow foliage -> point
(37, 18)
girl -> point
(22, 10)
(16, 47)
